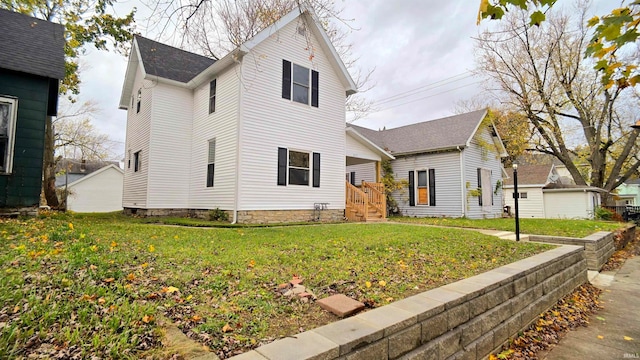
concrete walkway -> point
(613, 332)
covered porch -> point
(365, 200)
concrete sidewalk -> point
(604, 338)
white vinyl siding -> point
(97, 192)
(138, 130)
(447, 183)
(364, 172)
(477, 156)
(532, 206)
(356, 151)
(270, 122)
(170, 149)
(570, 204)
(221, 125)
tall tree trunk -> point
(49, 184)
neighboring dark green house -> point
(31, 67)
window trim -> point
(212, 95)
(211, 163)
(307, 169)
(11, 133)
(288, 82)
(431, 187)
(137, 161)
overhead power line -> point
(423, 88)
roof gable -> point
(31, 45)
(187, 69)
(170, 62)
(428, 136)
(95, 174)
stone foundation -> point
(23, 211)
(248, 216)
(285, 216)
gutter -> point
(237, 185)
(462, 183)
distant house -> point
(31, 67)
(628, 194)
(542, 194)
(70, 170)
(259, 133)
(452, 165)
(100, 191)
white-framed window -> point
(139, 100)
(137, 161)
(8, 118)
(422, 187)
(211, 162)
(212, 96)
(298, 168)
(300, 84)
(295, 167)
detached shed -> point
(571, 201)
(100, 191)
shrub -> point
(604, 214)
(218, 215)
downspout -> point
(238, 132)
(462, 187)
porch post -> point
(378, 172)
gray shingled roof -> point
(31, 45)
(529, 174)
(169, 62)
(426, 136)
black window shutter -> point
(314, 88)
(286, 79)
(479, 186)
(492, 195)
(412, 195)
(282, 166)
(352, 177)
(316, 169)
(432, 187)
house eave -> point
(384, 155)
(431, 151)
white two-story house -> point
(259, 133)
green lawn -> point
(104, 285)
(560, 227)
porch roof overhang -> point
(360, 150)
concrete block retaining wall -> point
(249, 216)
(464, 320)
(598, 247)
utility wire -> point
(423, 88)
(429, 96)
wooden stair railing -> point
(376, 197)
(367, 203)
(357, 203)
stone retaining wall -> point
(598, 247)
(467, 319)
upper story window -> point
(139, 100)
(299, 84)
(212, 96)
(137, 161)
(8, 116)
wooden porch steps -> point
(365, 204)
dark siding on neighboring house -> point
(22, 187)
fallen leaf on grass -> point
(108, 280)
(152, 248)
(382, 283)
(226, 328)
(131, 277)
(367, 284)
(628, 338)
(170, 289)
(600, 318)
(147, 319)
(600, 337)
